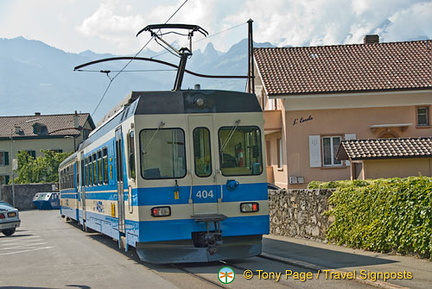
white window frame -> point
(316, 159)
(333, 151)
(279, 144)
(425, 114)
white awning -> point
(401, 126)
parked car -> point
(47, 200)
(9, 219)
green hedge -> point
(384, 215)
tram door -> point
(81, 187)
(205, 192)
(120, 177)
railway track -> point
(263, 271)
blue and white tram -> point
(176, 174)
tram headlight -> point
(161, 211)
(249, 207)
(200, 102)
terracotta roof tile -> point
(346, 68)
(385, 148)
(58, 124)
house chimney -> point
(76, 120)
(373, 38)
(37, 113)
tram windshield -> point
(162, 153)
(240, 150)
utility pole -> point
(251, 76)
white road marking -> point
(25, 251)
(19, 246)
(23, 241)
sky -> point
(110, 26)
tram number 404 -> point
(203, 194)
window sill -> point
(334, 167)
(422, 126)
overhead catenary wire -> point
(129, 71)
(208, 37)
(123, 69)
(111, 79)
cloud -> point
(111, 21)
(316, 22)
(419, 18)
(111, 25)
(116, 22)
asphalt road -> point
(47, 252)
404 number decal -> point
(204, 194)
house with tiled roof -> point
(314, 98)
(390, 157)
(33, 133)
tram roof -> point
(178, 102)
(186, 101)
(195, 101)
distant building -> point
(33, 133)
(316, 97)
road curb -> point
(310, 266)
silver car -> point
(9, 219)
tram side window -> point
(67, 177)
(202, 152)
(63, 179)
(240, 150)
(62, 182)
(131, 154)
(100, 168)
(162, 153)
(86, 172)
(95, 174)
(77, 174)
(105, 165)
(90, 170)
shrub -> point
(385, 215)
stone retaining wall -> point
(293, 213)
(24, 194)
(298, 213)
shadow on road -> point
(325, 257)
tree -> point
(43, 169)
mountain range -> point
(36, 77)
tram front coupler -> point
(213, 241)
(212, 238)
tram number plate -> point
(204, 194)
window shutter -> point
(347, 137)
(350, 136)
(6, 158)
(315, 151)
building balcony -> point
(272, 121)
